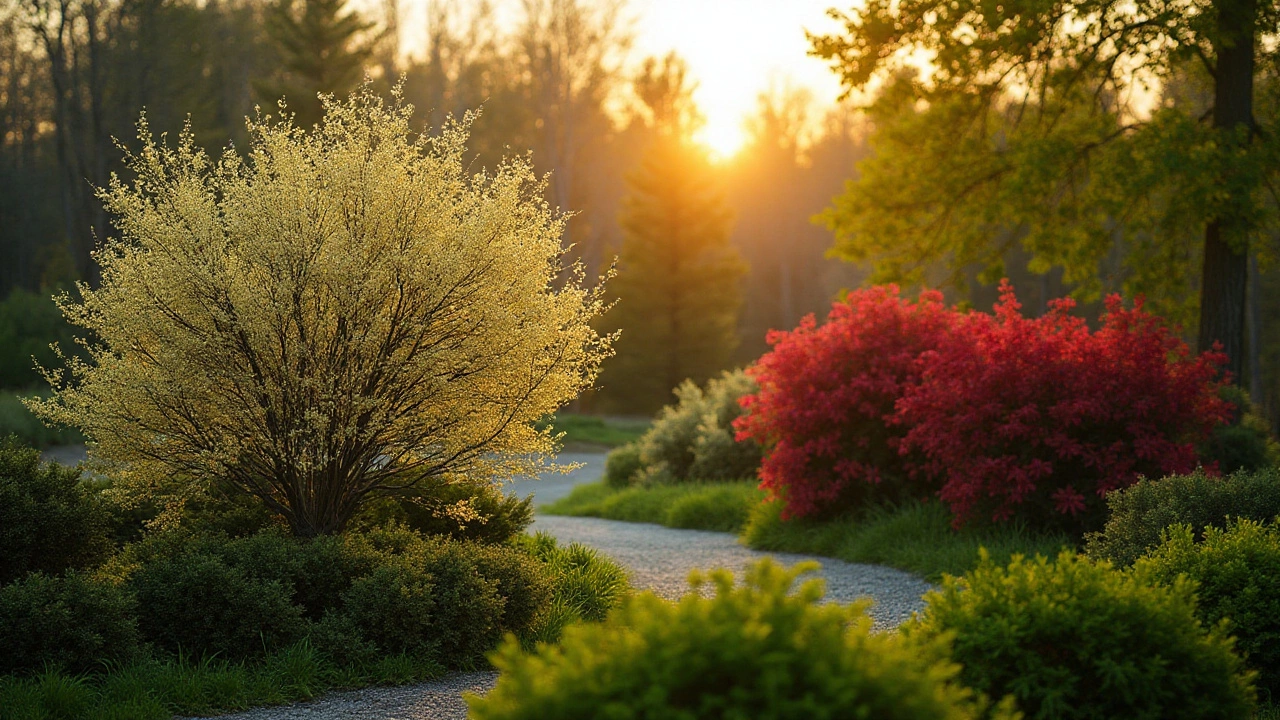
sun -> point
(723, 136)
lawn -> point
(588, 431)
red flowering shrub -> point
(1039, 418)
(826, 393)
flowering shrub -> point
(826, 393)
(1039, 418)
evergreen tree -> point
(678, 278)
(324, 50)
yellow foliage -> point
(342, 313)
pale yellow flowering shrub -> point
(339, 314)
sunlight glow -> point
(723, 139)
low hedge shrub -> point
(623, 465)
(751, 651)
(1237, 577)
(1245, 442)
(459, 509)
(1140, 513)
(72, 622)
(694, 438)
(49, 520)
(1072, 638)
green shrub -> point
(490, 516)
(722, 507)
(1077, 639)
(70, 621)
(622, 466)
(1138, 514)
(1237, 576)
(693, 439)
(751, 651)
(716, 455)
(1246, 442)
(196, 603)
(48, 521)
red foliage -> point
(1039, 418)
(826, 393)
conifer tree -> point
(323, 50)
(678, 278)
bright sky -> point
(736, 49)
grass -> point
(915, 537)
(598, 430)
(16, 419)
(723, 506)
(160, 689)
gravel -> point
(658, 558)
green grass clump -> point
(916, 537)
(158, 689)
(596, 430)
(755, 650)
(722, 506)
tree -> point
(1037, 128)
(677, 283)
(324, 51)
(342, 314)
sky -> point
(735, 49)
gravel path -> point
(658, 558)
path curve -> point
(658, 558)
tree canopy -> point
(340, 314)
(1133, 145)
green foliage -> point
(48, 520)
(917, 537)
(71, 622)
(1246, 442)
(462, 510)
(585, 586)
(198, 604)
(1076, 639)
(751, 651)
(388, 591)
(701, 506)
(693, 438)
(1237, 577)
(1140, 513)
(153, 688)
(29, 324)
(623, 465)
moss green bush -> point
(693, 439)
(1072, 638)
(1138, 514)
(623, 465)
(1237, 576)
(71, 621)
(1246, 442)
(199, 605)
(750, 652)
(49, 521)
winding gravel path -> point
(658, 558)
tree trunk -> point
(1226, 266)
